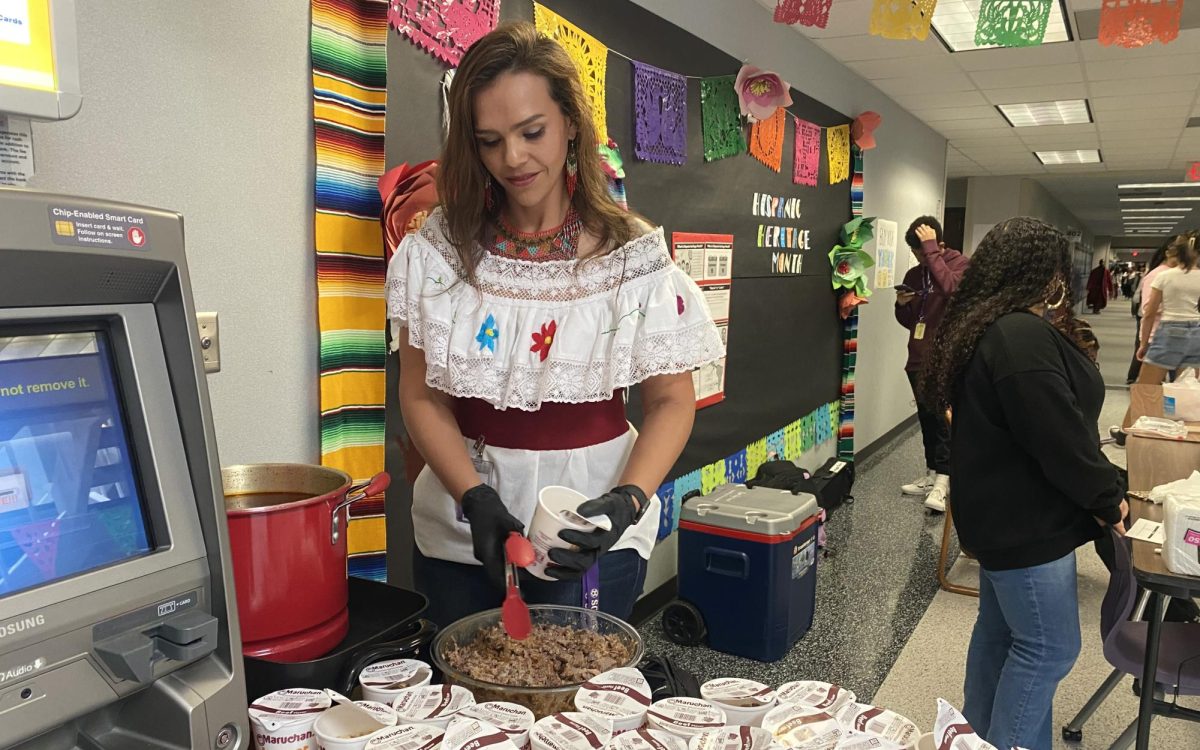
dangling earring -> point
(572, 169)
(1062, 297)
(489, 199)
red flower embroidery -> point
(543, 339)
(679, 304)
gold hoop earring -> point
(1062, 297)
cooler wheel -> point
(1072, 735)
(684, 624)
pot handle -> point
(419, 634)
(360, 491)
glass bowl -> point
(543, 701)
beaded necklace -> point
(557, 243)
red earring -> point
(572, 169)
(489, 199)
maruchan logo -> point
(20, 626)
(24, 670)
(265, 740)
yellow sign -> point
(26, 45)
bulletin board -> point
(784, 336)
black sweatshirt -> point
(1027, 475)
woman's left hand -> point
(622, 505)
(1141, 352)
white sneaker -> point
(936, 499)
(921, 486)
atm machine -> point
(118, 622)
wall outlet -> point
(210, 341)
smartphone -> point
(904, 289)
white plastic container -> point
(510, 718)
(345, 727)
(383, 681)
(879, 722)
(570, 730)
(823, 696)
(803, 728)
(732, 738)
(620, 695)
(431, 704)
(647, 739)
(283, 720)
(685, 717)
(407, 737)
(555, 512)
(745, 702)
(465, 733)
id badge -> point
(919, 331)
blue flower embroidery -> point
(488, 334)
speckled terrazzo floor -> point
(871, 591)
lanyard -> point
(926, 289)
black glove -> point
(624, 506)
(491, 523)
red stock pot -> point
(287, 538)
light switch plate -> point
(210, 341)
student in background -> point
(1099, 288)
(920, 310)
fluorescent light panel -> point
(1156, 210)
(1147, 185)
(1033, 114)
(1083, 156)
(955, 21)
(1162, 200)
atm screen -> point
(70, 501)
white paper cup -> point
(745, 702)
(407, 737)
(732, 738)
(346, 728)
(823, 696)
(431, 704)
(879, 722)
(383, 681)
(685, 717)
(283, 720)
(510, 718)
(803, 728)
(620, 695)
(648, 739)
(570, 730)
(555, 512)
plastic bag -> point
(1181, 399)
(1181, 532)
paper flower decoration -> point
(850, 262)
(862, 130)
(760, 93)
(408, 194)
(847, 302)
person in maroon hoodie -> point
(920, 304)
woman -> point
(526, 304)
(1159, 262)
(1099, 288)
(1170, 332)
(1028, 479)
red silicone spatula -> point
(514, 613)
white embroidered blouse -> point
(529, 332)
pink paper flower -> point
(760, 93)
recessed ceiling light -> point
(1084, 156)
(1065, 112)
(955, 22)
(1155, 210)
(1162, 200)
(1145, 185)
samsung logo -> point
(20, 626)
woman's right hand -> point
(1119, 526)
(491, 523)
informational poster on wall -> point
(885, 254)
(708, 259)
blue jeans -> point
(455, 590)
(1025, 641)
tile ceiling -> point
(1141, 101)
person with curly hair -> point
(1029, 481)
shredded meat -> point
(552, 656)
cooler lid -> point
(760, 510)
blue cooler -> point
(748, 563)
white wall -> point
(904, 177)
(210, 115)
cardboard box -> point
(1157, 460)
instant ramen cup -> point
(407, 737)
(620, 695)
(859, 741)
(822, 696)
(345, 727)
(512, 719)
(648, 739)
(283, 720)
(382, 712)
(555, 512)
(431, 704)
(465, 733)
(384, 680)
(732, 738)
(803, 728)
(685, 717)
(879, 722)
(745, 702)
(570, 730)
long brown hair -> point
(462, 177)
